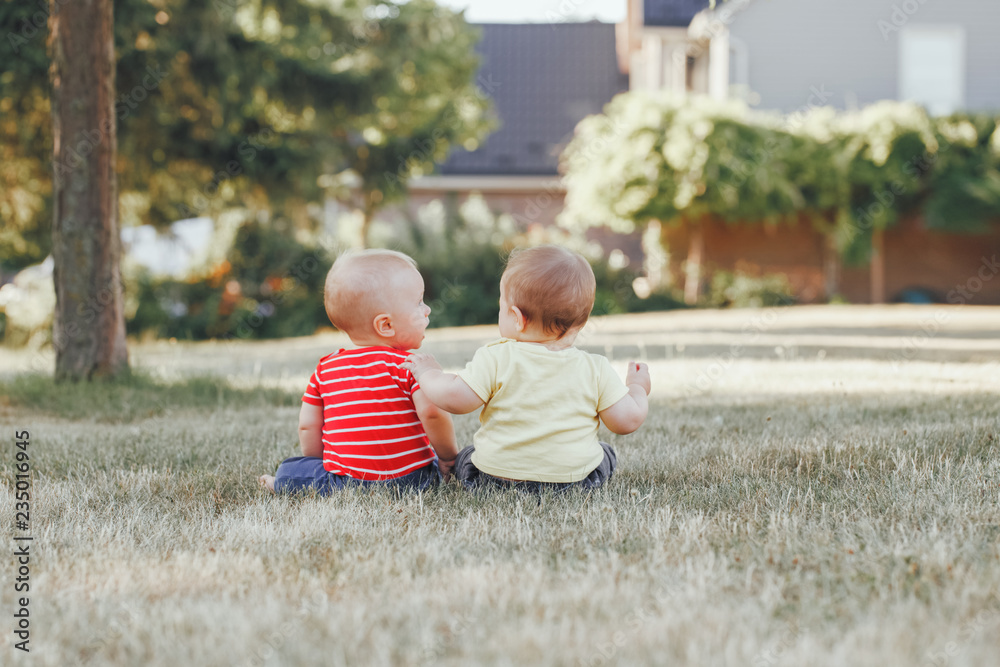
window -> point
(932, 67)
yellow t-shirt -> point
(540, 419)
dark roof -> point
(543, 80)
(672, 12)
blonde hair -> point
(359, 284)
(550, 285)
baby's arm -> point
(440, 431)
(627, 415)
(311, 430)
(445, 390)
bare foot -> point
(267, 482)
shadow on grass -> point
(135, 397)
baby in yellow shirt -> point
(542, 399)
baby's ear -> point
(383, 325)
(520, 321)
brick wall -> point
(916, 257)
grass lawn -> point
(807, 490)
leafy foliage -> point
(668, 158)
(663, 157)
(462, 252)
(964, 185)
(880, 146)
(255, 103)
(461, 262)
(25, 138)
(739, 290)
(270, 286)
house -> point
(786, 54)
(790, 55)
(543, 79)
(657, 51)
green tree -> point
(260, 104)
(25, 135)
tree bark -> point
(89, 325)
(696, 248)
(877, 266)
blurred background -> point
(701, 155)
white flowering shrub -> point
(689, 158)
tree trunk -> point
(878, 266)
(89, 326)
(696, 248)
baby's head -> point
(376, 298)
(547, 290)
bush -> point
(615, 293)
(740, 290)
(461, 257)
(270, 286)
(462, 253)
(27, 305)
(681, 158)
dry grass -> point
(785, 512)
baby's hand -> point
(638, 373)
(446, 468)
(420, 363)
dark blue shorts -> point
(306, 473)
(472, 477)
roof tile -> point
(545, 78)
(672, 12)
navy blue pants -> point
(305, 473)
(472, 477)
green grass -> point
(822, 513)
(138, 396)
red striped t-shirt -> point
(370, 427)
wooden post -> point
(831, 267)
(696, 250)
(367, 215)
(89, 325)
(877, 266)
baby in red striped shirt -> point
(364, 419)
